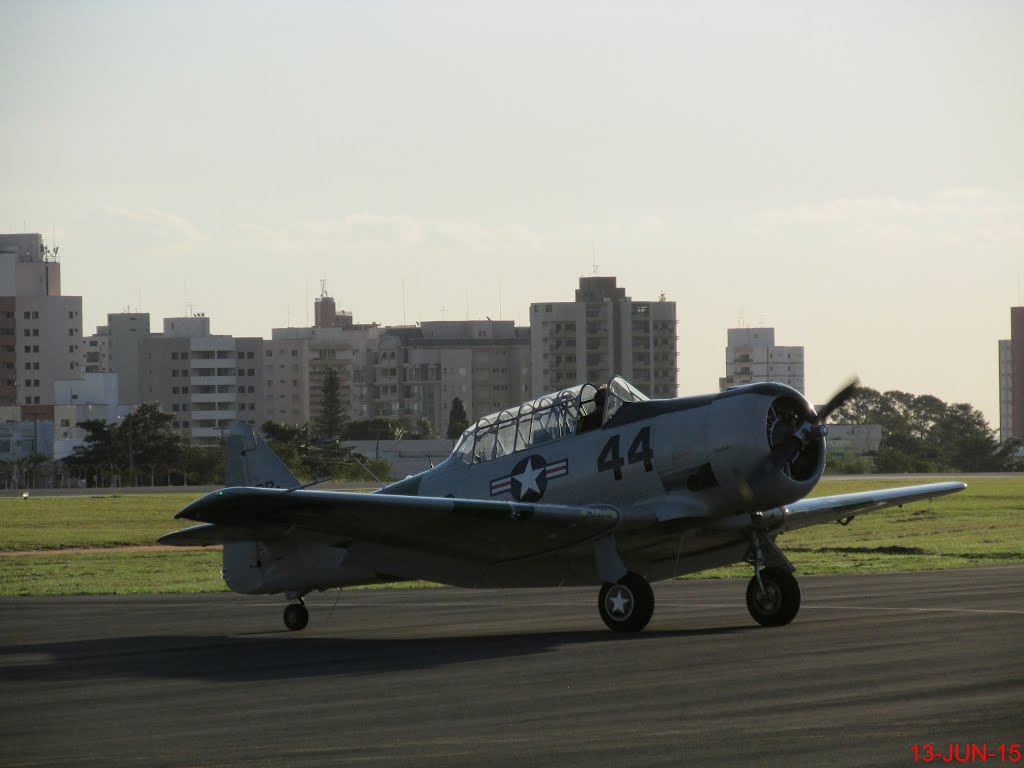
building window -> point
(35, 331)
(28, 348)
(28, 314)
(28, 332)
(174, 355)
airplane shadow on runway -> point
(283, 656)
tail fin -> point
(250, 462)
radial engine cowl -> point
(795, 439)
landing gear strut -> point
(296, 616)
(773, 595)
(628, 605)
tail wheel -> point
(628, 605)
(778, 603)
(296, 617)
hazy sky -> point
(851, 173)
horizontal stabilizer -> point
(208, 535)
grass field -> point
(984, 525)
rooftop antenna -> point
(323, 287)
(593, 255)
(443, 310)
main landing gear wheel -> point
(296, 616)
(779, 603)
(628, 605)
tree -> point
(330, 422)
(457, 420)
(378, 428)
(921, 433)
(424, 430)
(144, 438)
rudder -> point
(249, 462)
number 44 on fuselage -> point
(589, 485)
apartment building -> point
(405, 373)
(1011, 379)
(421, 370)
(40, 329)
(751, 356)
(206, 381)
(296, 362)
(116, 348)
(601, 334)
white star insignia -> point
(619, 602)
(528, 479)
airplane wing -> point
(482, 531)
(827, 509)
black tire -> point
(628, 605)
(780, 602)
(296, 617)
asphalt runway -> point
(872, 666)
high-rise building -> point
(405, 373)
(116, 348)
(751, 356)
(601, 334)
(1011, 379)
(40, 330)
(206, 381)
(485, 363)
(295, 365)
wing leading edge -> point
(483, 531)
(827, 509)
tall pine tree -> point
(457, 421)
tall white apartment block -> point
(206, 381)
(1005, 390)
(752, 356)
(601, 334)
(116, 348)
(296, 362)
(484, 363)
(40, 330)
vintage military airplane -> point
(586, 486)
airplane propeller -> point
(787, 449)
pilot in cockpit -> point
(593, 419)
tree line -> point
(921, 433)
